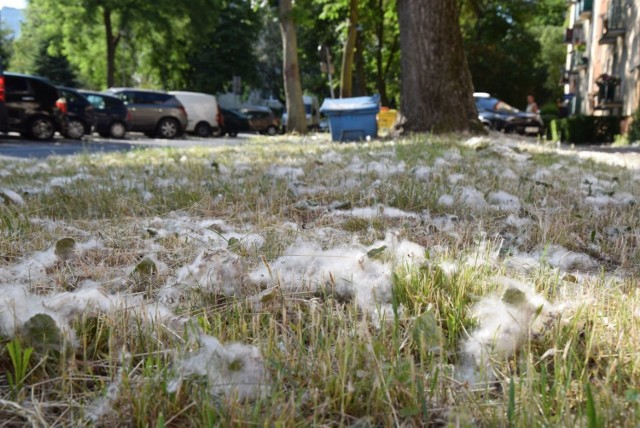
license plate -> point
(531, 129)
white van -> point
(202, 111)
(311, 110)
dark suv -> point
(110, 114)
(80, 112)
(153, 112)
(35, 107)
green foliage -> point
(227, 50)
(514, 47)
(585, 129)
(634, 129)
(20, 358)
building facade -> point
(602, 70)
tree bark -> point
(346, 76)
(111, 48)
(296, 118)
(436, 88)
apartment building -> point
(602, 70)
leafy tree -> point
(227, 50)
(436, 84)
(514, 46)
(5, 44)
(157, 33)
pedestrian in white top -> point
(532, 107)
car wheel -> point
(41, 128)
(117, 130)
(75, 129)
(168, 128)
(272, 130)
(203, 130)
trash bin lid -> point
(371, 103)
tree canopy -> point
(513, 47)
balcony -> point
(579, 61)
(609, 95)
(583, 10)
(613, 23)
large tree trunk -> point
(111, 48)
(296, 119)
(346, 76)
(437, 92)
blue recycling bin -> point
(352, 119)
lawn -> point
(298, 282)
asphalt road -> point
(13, 146)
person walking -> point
(532, 107)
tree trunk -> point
(296, 119)
(437, 92)
(111, 48)
(360, 81)
(346, 76)
(381, 83)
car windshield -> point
(494, 104)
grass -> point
(328, 360)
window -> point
(18, 85)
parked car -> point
(35, 107)
(234, 122)
(111, 116)
(202, 112)
(4, 118)
(498, 115)
(80, 112)
(155, 113)
(261, 119)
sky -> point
(20, 4)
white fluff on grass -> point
(473, 199)
(233, 370)
(422, 172)
(507, 320)
(503, 201)
(380, 211)
(214, 270)
(446, 200)
(352, 272)
(17, 306)
(288, 172)
(455, 178)
(617, 199)
(517, 222)
(34, 268)
(555, 256)
(11, 196)
(210, 232)
(452, 155)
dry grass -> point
(329, 358)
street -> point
(12, 145)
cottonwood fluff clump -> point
(232, 369)
(507, 320)
(352, 272)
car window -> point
(16, 85)
(150, 98)
(96, 101)
(486, 103)
(111, 103)
(70, 96)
